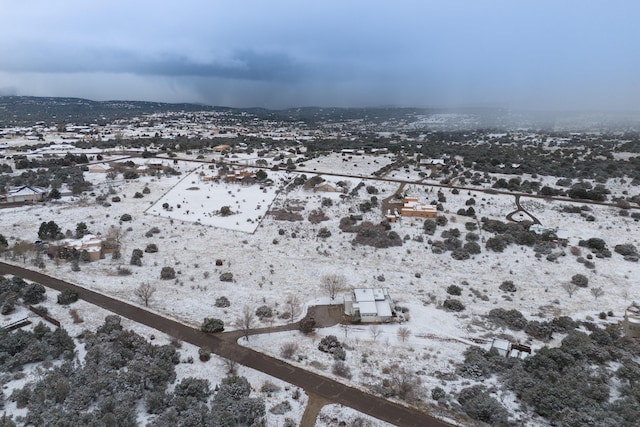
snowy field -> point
(194, 199)
(272, 260)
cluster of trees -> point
(571, 384)
(452, 242)
(506, 234)
(121, 371)
(15, 288)
(582, 156)
(20, 347)
(48, 177)
(370, 234)
(23, 162)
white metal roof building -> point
(369, 304)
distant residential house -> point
(413, 208)
(26, 193)
(221, 148)
(68, 248)
(631, 324)
(100, 168)
(326, 188)
(237, 175)
(369, 305)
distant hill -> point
(28, 110)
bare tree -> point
(597, 292)
(570, 287)
(346, 328)
(246, 321)
(293, 307)
(375, 331)
(22, 248)
(270, 321)
(403, 333)
(116, 234)
(333, 283)
(231, 365)
(145, 292)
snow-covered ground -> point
(272, 260)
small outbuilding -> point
(631, 324)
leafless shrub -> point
(231, 366)
(570, 287)
(75, 316)
(403, 333)
(375, 331)
(597, 292)
(288, 349)
(269, 387)
(145, 292)
(341, 369)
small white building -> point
(506, 348)
(369, 305)
(631, 325)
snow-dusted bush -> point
(512, 319)
(212, 325)
(454, 290)
(264, 311)
(507, 286)
(580, 280)
(452, 304)
(167, 273)
(479, 405)
(67, 296)
(329, 344)
(222, 302)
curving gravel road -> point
(227, 347)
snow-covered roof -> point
(27, 190)
(372, 301)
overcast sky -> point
(539, 54)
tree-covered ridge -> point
(27, 110)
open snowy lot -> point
(272, 260)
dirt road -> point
(227, 347)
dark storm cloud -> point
(241, 65)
